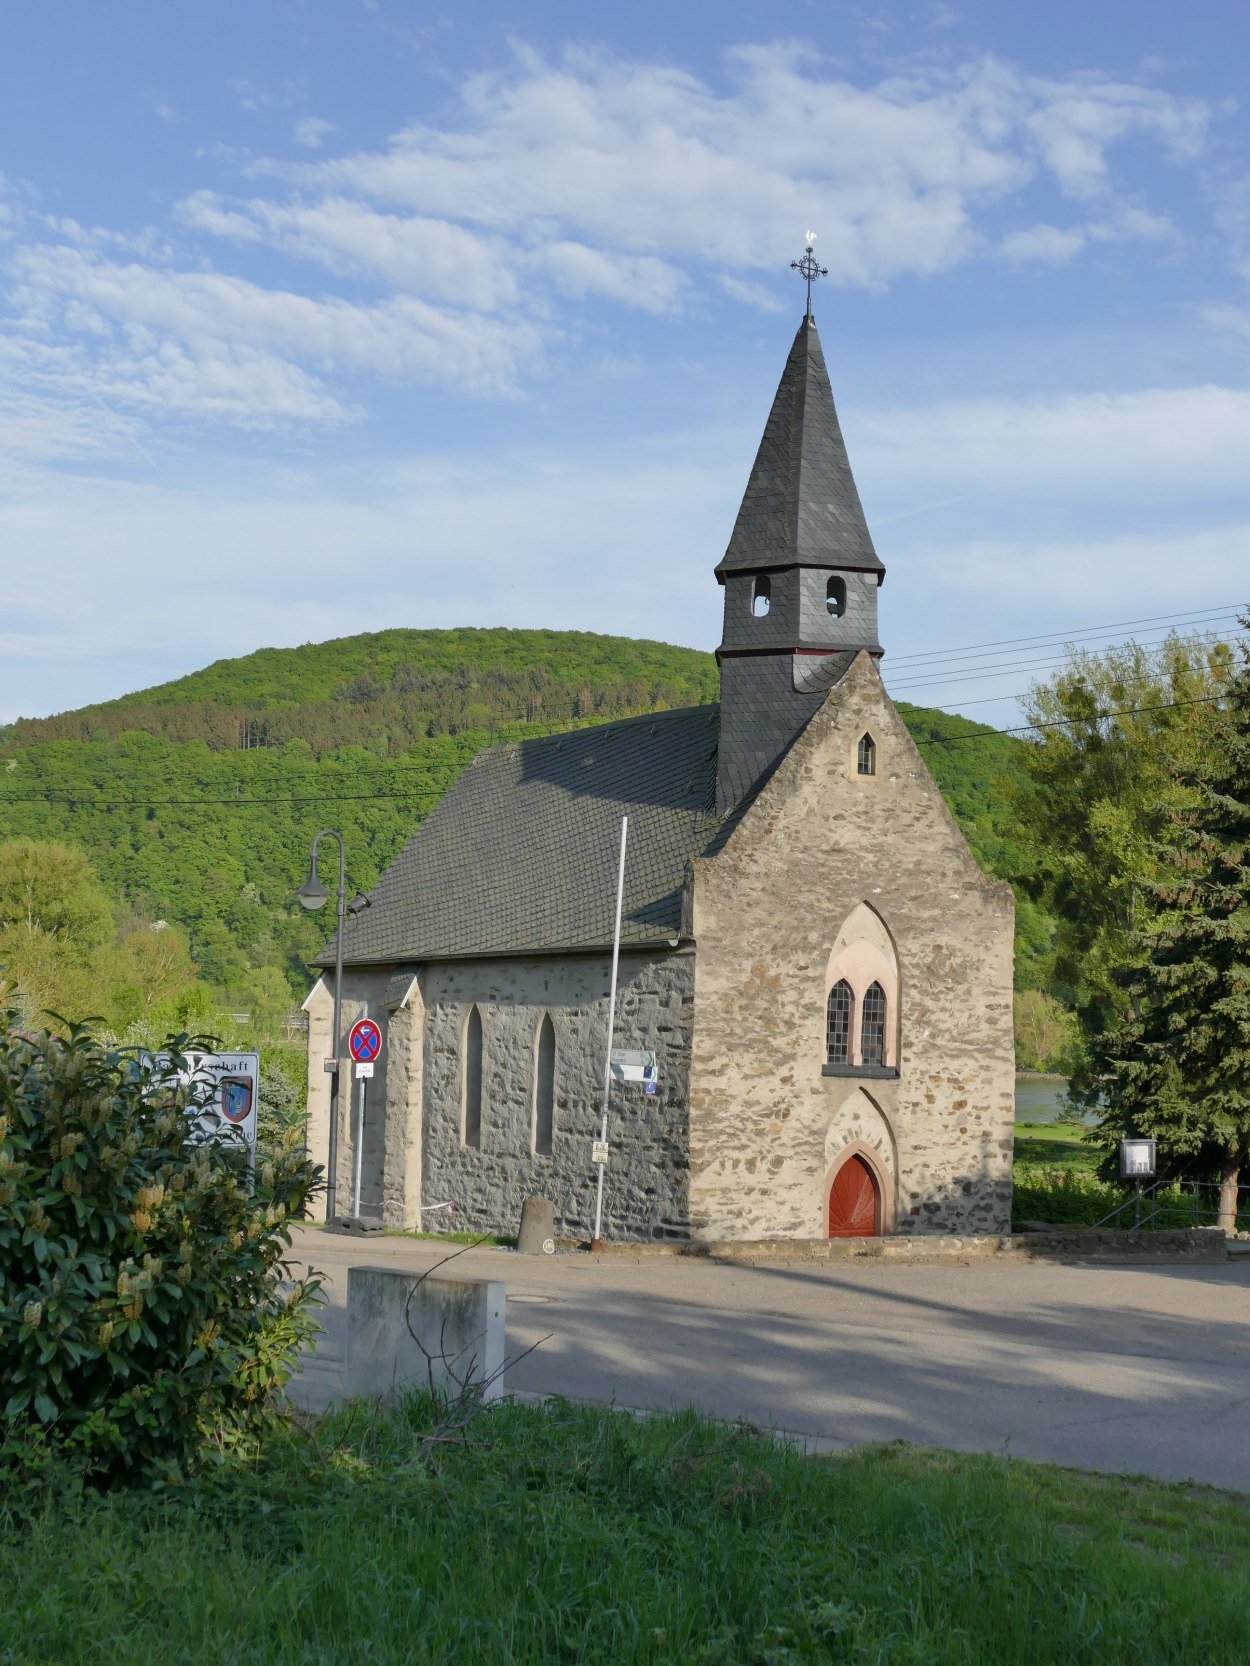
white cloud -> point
(751, 294)
(591, 177)
(1053, 245)
(1151, 445)
(1154, 572)
(312, 131)
(226, 347)
(412, 253)
(633, 156)
(283, 548)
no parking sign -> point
(365, 1041)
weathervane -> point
(809, 268)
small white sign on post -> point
(1137, 1159)
(364, 1071)
(633, 1064)
(599, 1151)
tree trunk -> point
(1230, 1171)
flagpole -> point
(607, 1066)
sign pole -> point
(360, 1148)
(607, 1064)
(364, 1044)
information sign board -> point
(227, 1092)
(1137, 1159)
(599, 1151)
(633, 1065)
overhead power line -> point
(426, 779)
(1190, 621)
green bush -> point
(1064, 1197)
(145, 1316)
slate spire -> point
(801, 506)
(800, 576)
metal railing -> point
(1172, 1204)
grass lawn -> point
(1058, 1145)
(574, 1536)
(1054, 1179)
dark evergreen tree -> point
(1178, 1066)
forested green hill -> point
(197, 800)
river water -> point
(1040, 1100)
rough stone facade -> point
(768, 1125)
(414, 1151)
(645, 1186)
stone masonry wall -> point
(819, 840)
(645, 1192)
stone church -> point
(808, 945)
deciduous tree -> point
(1177, 1065)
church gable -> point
(854, 771)
(849, 945)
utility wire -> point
(1190, 620)
(439, 778)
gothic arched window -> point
(867, 755)
(761, 595)
(838, 1024)
(872, 1027)
(472, 1127)
(544, 1088)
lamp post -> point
(312, 895)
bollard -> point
(538, 1227)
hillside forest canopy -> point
(186, 811)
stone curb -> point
(1185, 1244)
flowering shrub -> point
(144, 1311)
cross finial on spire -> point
(809, 268)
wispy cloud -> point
(448, 256)
(312, 131)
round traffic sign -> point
(365, 1041)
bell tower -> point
(800, 574)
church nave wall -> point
(645, 1188)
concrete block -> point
(538, 1227)
(460, 1321)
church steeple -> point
(800, 576)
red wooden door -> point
(853, 1200)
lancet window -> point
(838, 1023)
(544, 1088)
(872, 1026)
(472, 1123)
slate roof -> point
(521, 853)
(801, 506)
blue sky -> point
(317, 317)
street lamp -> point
(312, 895)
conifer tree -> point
(1178, 1066)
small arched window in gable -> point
(838, 1024)
(872, 1026)
(761, 596)
(545, 1088)
(835, 597)
(867, 755)
(472, 1126)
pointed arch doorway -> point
(854, 1201)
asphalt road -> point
(1131, 1368)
